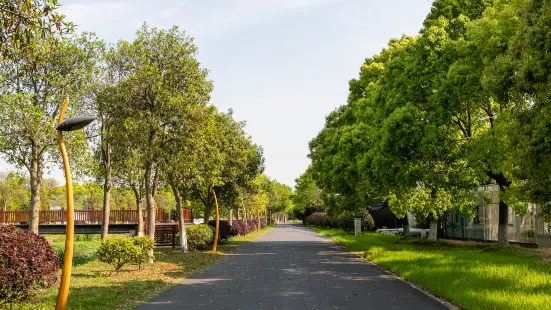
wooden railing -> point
(165, 234)
(86, 216)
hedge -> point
(226, 230)
(251, 226)
(345, 222)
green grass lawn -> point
(470, 275)
(95, 285)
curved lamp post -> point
(70, 124)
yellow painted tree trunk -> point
(217, 220)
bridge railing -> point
(86, 216)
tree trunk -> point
(106, 193)
(405, 224)
(140, 231)
(503, 228)
(155, 181)
(432, 227)
(230, 215)
(208, 206)
(150, 204)
(179, 213)
(503, 221)
(258, 220)
(35, 183)
(140, 217)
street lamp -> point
(70, 124)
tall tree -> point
(32, 90)
(478, 95)
(162, 84)
(183, 159)
(233, 159)
(105, 106)
(525, 70)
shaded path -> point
(292, 267)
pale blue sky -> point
(280, 65)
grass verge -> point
(95, 285)
(470, 275)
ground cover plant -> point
(470, 275)
(83, 251)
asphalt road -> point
(292, 267)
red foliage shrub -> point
(238, 226)
(318, 219)
(226, 230)
(251, 226)
(27, 262)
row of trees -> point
(307, 197)
(433, 117)
(262, 196)
(155, 126)
(15, 195)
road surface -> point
(292, 267)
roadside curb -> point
(441, 301)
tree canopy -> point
(433, 117)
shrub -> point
(244, 227)
(145, 246)
(118, 251)
(251, 225)
(226, 230)
(317, 219)
(239, 226)
(368, 224)
(344, 222)
(199, 237)
(27, 262)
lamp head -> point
(75, 123)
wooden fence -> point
(87, 216)
(165, 234)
